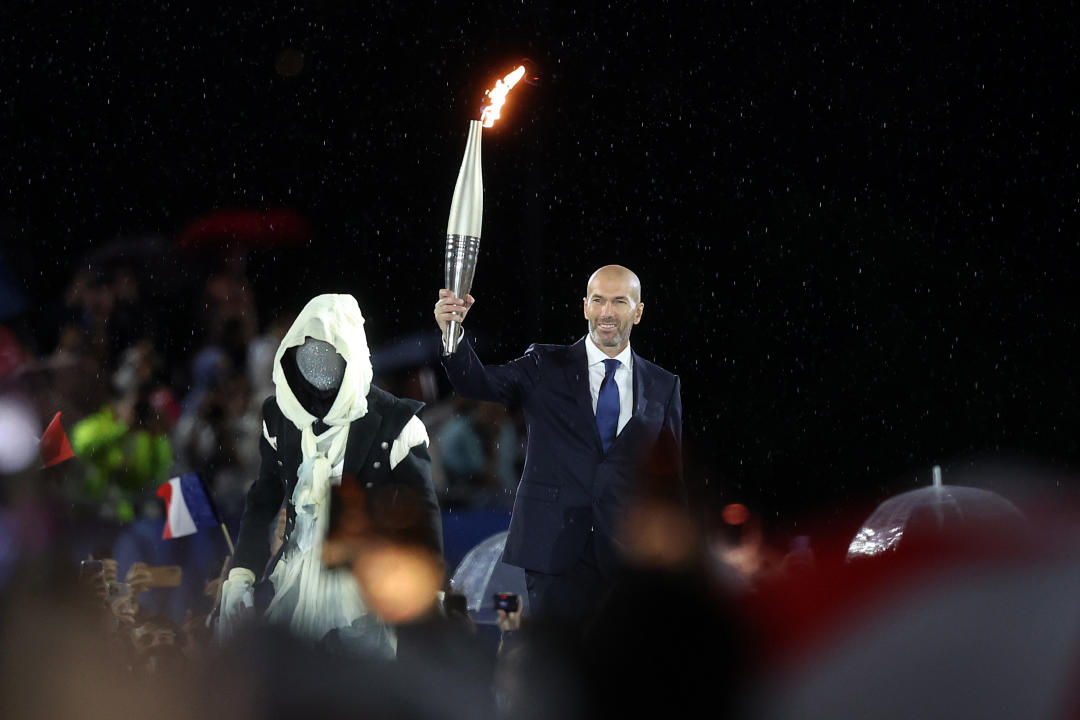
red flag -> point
(54, 446)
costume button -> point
(370, 484)
(376, 465)
(385, 445)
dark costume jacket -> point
(367, 462)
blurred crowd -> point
(151, 386)
(971, 615)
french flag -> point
(187, 507)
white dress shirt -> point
(624, 378)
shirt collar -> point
(595, 355)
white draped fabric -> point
(309, 597)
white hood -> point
(335, 319)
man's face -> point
(612, 308)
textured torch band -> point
(461, 253)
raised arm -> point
(506, 384)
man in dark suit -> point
(602, 423)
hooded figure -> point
(326, 424)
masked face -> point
(320, 364)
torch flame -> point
(497, 96)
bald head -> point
(616, 274)
(612, 307)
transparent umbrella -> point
(921, 513)
(482, 573)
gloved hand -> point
(237, 603)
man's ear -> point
(638, 311)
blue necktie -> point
(607, 405)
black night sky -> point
(856, 227)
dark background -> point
(856, 228)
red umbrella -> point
(997, 638)
(246, 227)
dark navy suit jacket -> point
(570, 487)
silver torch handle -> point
(461, 253)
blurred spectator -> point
(218, 432)
(69, 380)
(157, 646)
(125, 445)
(260, 357)
(219, 440)
(57, 661)
(455, 608)
(228, 303)
(479, 449)
(125, 323)
(738, 553)
(88, 301)
(12, 355)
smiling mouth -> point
(606, 326)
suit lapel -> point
(577, 379)
(642, 384)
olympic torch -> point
(467, 206)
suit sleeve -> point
(507, 384)
(263, 500)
